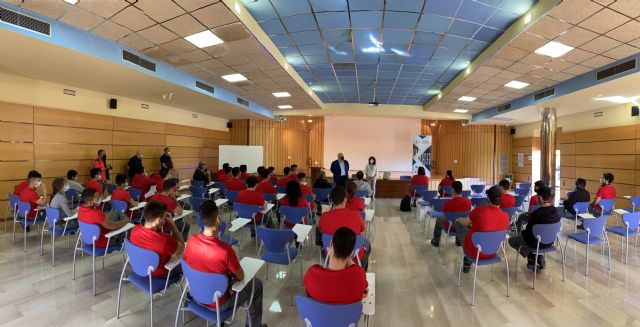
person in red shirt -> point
(96, 181)
(164, 174)
(143, 183)
(29, 195)
(489, 218)
(294, 198)
(340, 216)
(353, 201)
(18, 188)
(285, 179)
(293, 172)
(342, 281)
(90, 213)
(222, 172)
(507, 200)
(273, 177)
(534, 201)
(121, 194)
(253, 197)
(457, 204)
(205, 252)
(168, 197)
(243, 173)
(100, 164)
(265, 185)
(419, 179)
(151, 237)
(306, 190)
(446, 181)
(226, 175)
(234, 183)
(606, 191)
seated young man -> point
(29, 195)
(354, 202)
(168, 197)
(205, 252)
(150, 236)
(546, 214)
(121, 194)
(489, 218)
(605, 191)
(305, 189)
(90, 213)
(579, 194)
(340, 216)
(272, 174)
(221, 172)
(293, 172)
(524, 217)
(362, 184)
(321, 181)
(265, 185)
(202, 173)
(507, 200)
(142, 182)
(226, 175)
(253, 197)
(18, 188)
(72, 181)
(243, 173)
(342, 282)
(234, 183)
(163, 175)
(419, 179)
(446, 181)
(285, 179)
(96, 181)
(457, 204)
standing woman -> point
(371, 172)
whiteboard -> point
(236, 155)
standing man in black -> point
(135, 165)
(340, 171)
(165, 160)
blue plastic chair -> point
(232, 196)
(206, 289)
(526, 186)
(21, 217)
(198, 191)
(466, 194)
(195, 206)
(221, 186)
(405, 177)
(362, 193)
(436, 212)
(294, 215)
(426, 196)
(226, 238)
(73, 197)
(326, 243)
(52, 217)
(135, 193)
(522, 191)
(143, 263)
(316, 313)
(12, 208)
(447, 190)
(110, 187)
(281, 189)
(89, 233)
(477, 188)
(247, 211)
(451, 218)
(322, 194)
(479, 201)
(416, 191)
(635, 203)
(631, 223)
(545, 234)
(278, 249)
(519, 202)
(197, 183)
(594, 233)
(511, 212)
(579, 208)
(486, 243)
(606, 205)
(269, 197)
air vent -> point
(69, 92)
(617, 69)
(544, 94)
(242, 102)
(204, 86)
(136, 60)
(504, 107)
(344, 66)
(20, 20)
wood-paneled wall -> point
(524, 146)
(53, 141)
(292, 141)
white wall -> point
(390, 140)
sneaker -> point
(541, 262)
(458, 243)
(435, 243)
(466, 267)
(531, 261)
(530, 264)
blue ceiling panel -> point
(403, 47)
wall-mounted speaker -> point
(513, 131)
(229, 125)
(635, 111)
(113, 103)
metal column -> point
(548, 147)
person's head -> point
(271, 169)
(544, 193)
(235, 171)
(95, 173)
(504, 185)
(167, 151)
(101, 153)
(340, 156)
(581, 184)
(449, 174)
(225, 165)
(265, 174)
(359, 175)
(342, 243)
(209, 215)
(252, 181)
(421, 171)
(139, 154)
(494, 194)
(243, 168)
(59, 185)
(154, 213)
(227, 170)
(537, 185)
(294, 192)
(72, 175)
(121, 180)
(259, 170)
(607, 178)
(90, 197)
(302, 177)
(164, 173)
(34, 179)
(294, 169)
(338, 195)
(457, 188)
(322, 175)
(286, 170)
(202, 166)
(351, 188)
(372, 160)
(168, 187)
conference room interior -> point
(484, 90)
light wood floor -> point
(413, 288)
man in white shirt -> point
(340, 170)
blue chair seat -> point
(208, 313)
(281, 257)
(622, 231)
(88, 249)
(483, 262)
(542, 250)
(156, 283)
(30, 222)
(60, 231)
(424, 203)
(436, 214)
(229, 240)
(582, 238)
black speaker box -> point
(113, 103)
(229, 125)
(635, 111)
(513, 131)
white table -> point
(368, 214)
(107, 199)
(627, 197)
(369, 302)
(211, 184)
(139, 206)
(302, 231)
(122, 229)
(183, 187)
(220, 202)
(238, 223)
(269, 207)
(173, 262)
(279, 196)
(250, 266)
(213, 190)
(367, 201)
(151, 192)
(586, 216)
(185, 181)
(183, 197)
(620, 211)
(74, 216)
(184, 214)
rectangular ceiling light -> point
(281, 94)
(466, 99)
(204, 39)
(233, 78)
(285, 106)
(553, 49)
(460, 111)
(72, 2)
(516, 85)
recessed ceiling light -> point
(433, 91)
(466, 99)
(281, 94)
(234, 78)
(204, 39)
(309, 121)
(516, 85)
(554, 49)
(433, 124)
(72, 2)
(285, 106)
(460, 111)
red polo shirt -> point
(418, 180)
(283, 181)
(210, 255)
(219, 174)
(30, 196)
(252, 197)
(456, 204)
(507, 201)
(235, 184)
(121, 194)
(18, 188)
(94, 184)
(605, 192)
(162, 244)
(94, 216)
(171, 203)
(273, 179)
(336, 218)
(293, 176)
(244, 176)
(266, 187)
(484, 219)
(343, 286)
(159, 185)
(355, 203)
(306, 190)
(143, 183)
(98, 163)
(223, 178)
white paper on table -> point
(302, 231)
(620, 211)
(238, 223)
(139, 206)
(627, 196)
(369, 302)
(183, 187)
(279, 196)
(72, 217)
(213, 190)
(250, 266)
(123, 229)
(183, 197)
(269, 207)
(586, 216)
(220, 202)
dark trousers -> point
(340, 180)
(437, 229)
(255, 310)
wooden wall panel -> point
(16, 170)
(60, 167)
(606, 161)
(57, 117)
(128, 151)
(71, 135)
(239, 132)
(174, 140)
(141, 126)
(134, 138)
(18, 113)
(16, 132)
(173, 129)
(16, 151)
(607, 134)
(607, 147)
(68, 151)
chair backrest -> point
(606, 205)
(452, 216)
(631, 220)
(53, 214)
(196, 203)
(197, 183)
(427, 195)
(322, 194)
(438, 204)
(71, 194)
(221, 186)
(269, 197)
(594, 225)
(477, 188)
(522, 191)
(204, 287)
(274, 182)
(447, 189)
(135, 193)
(142, 261)
(635, 201)
(581, 207)
(175, 180)
(519, 200)
(221, 228)
(110, 187)
(547, 232)
(419, 187)
(466, 193)
(309, 198)
(198, 191)
(281, 189)
(362, 193)
(88, 232)
(275, 240)
(119, 205)
(13, 200)
(246, 210)
(525, 186)
(23, 209)
(483, 201)
(294, 215)
(326, 243)
(318, 314)
(405, 177)
(510, 211)
(488, 242)
(231, 195)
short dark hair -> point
(225, 165)
(505, 184)
(294, 167)
(226, 169)
(208, 213)
(301, 175)
(538, 184)
(544, 192)
(88, 194)
(243, 168)
(264, 174)
(252, 181)
(154, 210)
(164, 172)
(121, 179)
(495, 195)
(360, 175)
(71, 174)
(235, 171)
(271, 169)
(168, 185)
(100, 151)
(286, 170)
(201, 165)
(94, 172)
(260, 169)
(457, 187)
(608, 177)
(338, 194)
(581, 183)
(344, 240)
(421, 171)
(33, 174)
(165, 149)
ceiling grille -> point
(20, 20)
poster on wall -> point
(422, 154)
(520, 159)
